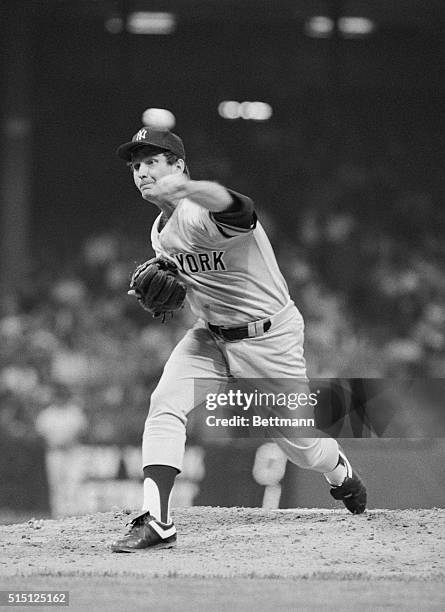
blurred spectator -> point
(62, 425)
(63, 422)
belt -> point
(251, 330)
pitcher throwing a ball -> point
(247, 325)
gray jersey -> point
(231, 273)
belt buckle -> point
(254, 329)
(257, 328)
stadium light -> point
(229, 109)
(319, 27)
(148, 22)
(355, 26)
(143, 22)
(322, 26)
(253, 111)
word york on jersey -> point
(208, 261)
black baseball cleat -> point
(352, 492)
(145, 532)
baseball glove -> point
(157, 287)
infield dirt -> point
(237, 559)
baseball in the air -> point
(158, 118)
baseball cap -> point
(147, 136)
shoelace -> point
(136, 522)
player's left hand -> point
(157, 287)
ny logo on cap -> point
(141, 135)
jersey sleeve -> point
(239, 218)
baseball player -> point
(247, 326)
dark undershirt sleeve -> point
(238, 218)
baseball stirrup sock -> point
(342, 470)
(158, 485)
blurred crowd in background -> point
(360, 244)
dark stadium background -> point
(348, 178)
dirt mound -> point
(238, 542)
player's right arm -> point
(230, 212)
(208, 194)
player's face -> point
(147, 169)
